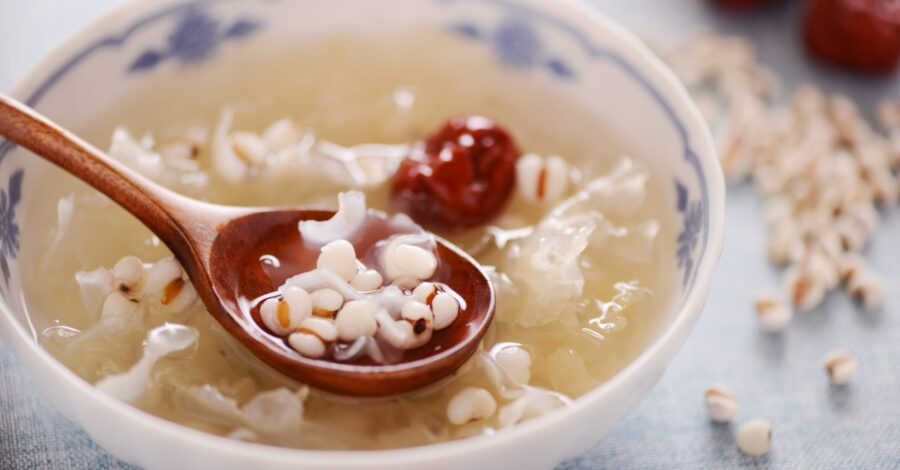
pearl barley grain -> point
(283, 315)
(414, 261)
(720, 404)
(326, 302)
(774, 314)
(542, 179)
(470, 404)
(117, 305)
(367, 281)
(867, 288)
(312, 337)
(425, 292)
(275, 314)
(755, 437)
(516, 362)
(338, 257)
(160, 275)
(307, 344)
(128, 271)
(806, 291)
(356, 319)
(184, 296)
(419, 316)
(300, 303)
(840, 366)
(445, 309)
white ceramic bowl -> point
(562, 44)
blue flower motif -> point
(194, 38)
(690, 231)
(517, 43)
(9, 229)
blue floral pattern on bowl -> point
(195, 37)
(9, 228)
(516, 43)
(692, 224)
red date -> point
(460, 176)
(860, 34)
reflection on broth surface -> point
(582, 282)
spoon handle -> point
(152, 204)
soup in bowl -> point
(536, 136)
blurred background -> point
(778, 377)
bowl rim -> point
(672, 336)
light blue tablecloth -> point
(776, 377)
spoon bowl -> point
(221, 248)
(239, 277)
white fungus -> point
(271, 413)
(356, 318)
(339, 257)
(470, 404)
(248, 147)
(343, 225)
(225, 161)
(774, 314)
(533, 402)
(242, 434)
(840, 366)
(161, 341)
(94, 286)
(720, 404)
(755, 437)
(281, 134)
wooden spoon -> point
(220, 249)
